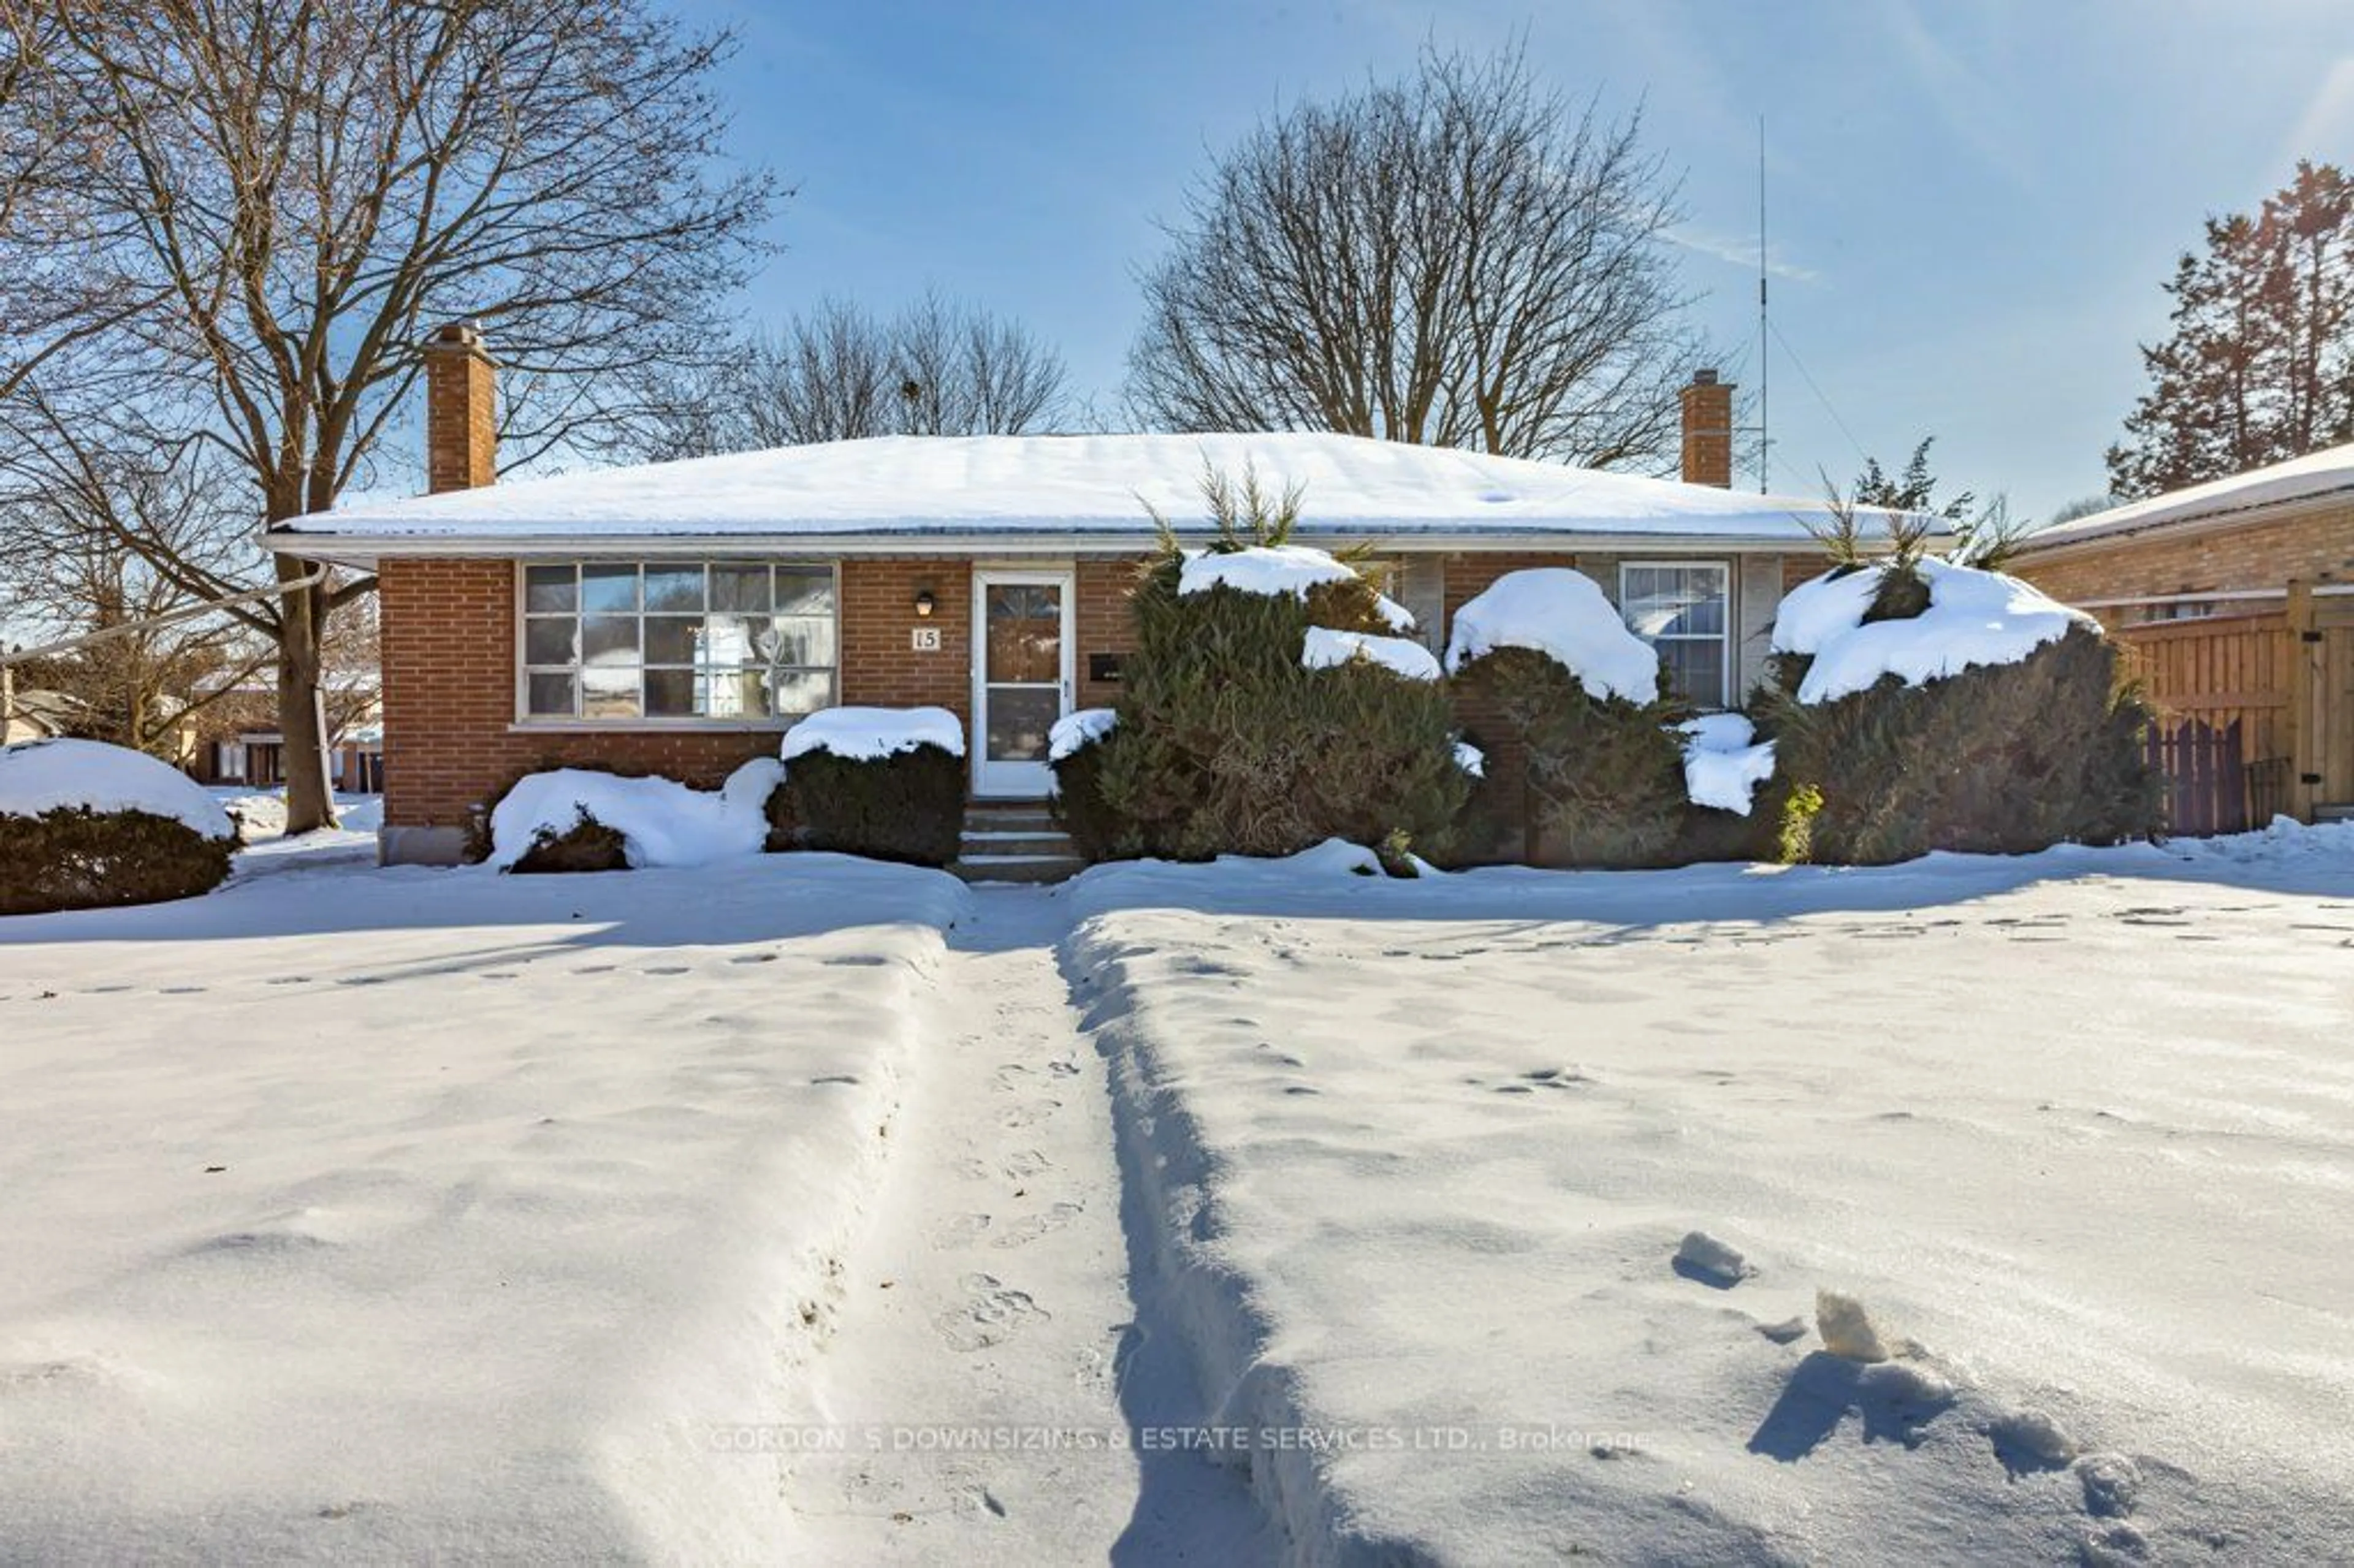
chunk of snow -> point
(869, 734)
(1472, 760)
(1722, 767)
(1562, 614)
(1395, 615)
(42, 776)
(1083, 727)
(661, 822)
(1271, 570)
(2031, 1437)
(1718, 1262)
(2112, 1483)
(1847, 1329)
(1327, 648)
(1975, 618)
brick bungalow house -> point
(677, 617)
(2237, 598)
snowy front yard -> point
(2081, 1125)
(392, 1214)
(403, 1215)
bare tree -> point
(940, 367)
(1461, 258)
(271, 202)
(68, 568)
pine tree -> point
(2259, 366)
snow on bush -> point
(868, 734)
(1723, 768)
(1562, 614)
(37, 777)
(661, 821)
(1975, 618)
(1472, 760)
(1327, 648)
(1278, 569)
(1081, 728)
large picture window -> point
(669, 639)
(1683, 610)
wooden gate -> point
(2282, 679)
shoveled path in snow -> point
(989, 1365)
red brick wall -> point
(1104, 624)
(880, 667)
(2318, 547)
(450, 737)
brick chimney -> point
(462, 440)
(1708, 430)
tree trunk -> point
(310, 801)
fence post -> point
(2304, 715)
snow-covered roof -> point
(2308, 478)
(1044, 492)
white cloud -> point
(1739, 251)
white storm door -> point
(1022, 675)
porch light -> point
(925, 603)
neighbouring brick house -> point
(2237, 598)
(677, 617)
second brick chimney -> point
(461, 432)
(1708, 430)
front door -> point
(1022, 662)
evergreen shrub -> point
(75, 858)
(906, 807)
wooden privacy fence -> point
(2279, 683)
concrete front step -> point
(2334, 813)
(1018, 867)
(1015, 840)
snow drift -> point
(869, 734)
(42, 776)
(662, 823)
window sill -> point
(654, 726)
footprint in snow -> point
(665, 969)
(1029, 1116)
(1029, 1162)
(1024, 1232)
(964, 1230)
(990, 1313)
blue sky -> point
(1972, 205)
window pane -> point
(609, 692)
(669, 694)
(551, 587)
(1019, 718)
(800, 639)
(550, 639)
(551, 695)
(801, 693)
(735, 694)
(1695, 670)
(804, 591)
(607, 639)
(674, 587)
(729, 640)
(1025, 632)
(672, 639)
(609, 588)
(744, 589)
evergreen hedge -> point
(1998, 760)
(75, 858)
(1079, 809)
(906, 807)
(1226, 744)
(1589, 781)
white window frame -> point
(1723, 568)
(545, 723)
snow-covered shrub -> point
(1938, 706)
(580, 819)
(84, 824)
(886, 783)
(1236, 735)
(1584, 768)
(1075, 750)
